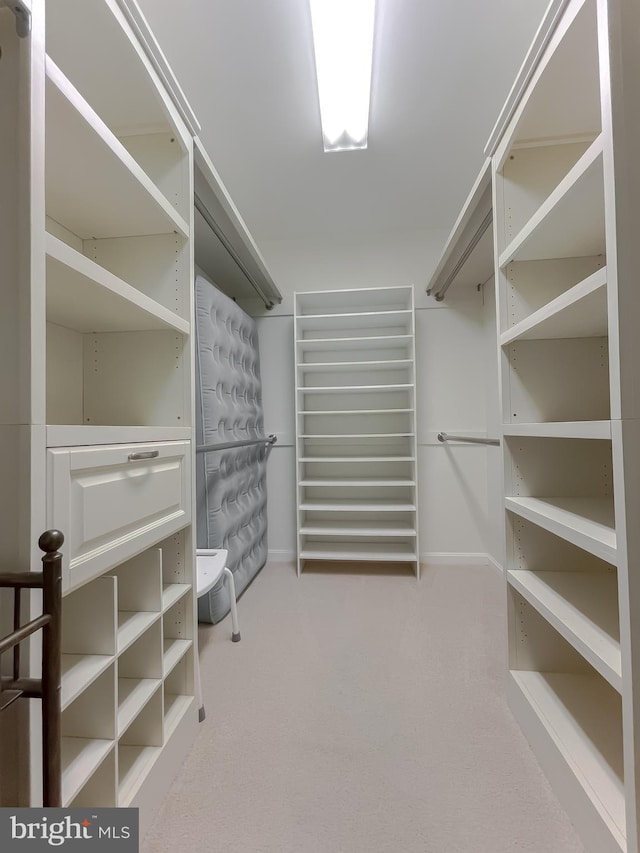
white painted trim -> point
(278, 556)
(454, 558)
(492, 563)
(527, 69)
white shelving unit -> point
(355, 416)
(565, 191)
(96, 431)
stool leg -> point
(235, 635)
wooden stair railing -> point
(46, 688)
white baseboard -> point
(281, 556)
(454, 558)
(494, 564)
(462, 558)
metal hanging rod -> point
(223, 445)
(467, 439)
(486, 222)
(201, 207)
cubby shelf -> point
(81, 757)
(583, 608)
(173, 651)
(175, 707)
(581, 312)
(579, 719)
(94, 186)
(131, 625)
(83, 296)
(134, 764)
(80, 671)
(585, 522)
(571, 221)
(133, 694)
(173, 592)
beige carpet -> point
(361, 714)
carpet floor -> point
(361, 713)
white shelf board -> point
(583, 608)
(570, 223)
(354, 319)
(355, 411)
(356, 459)
(356, 481)
(581, 717)
(360, 366)
(78, 672)
(133, 624)
(371, 529)
(356, 506)
(172, 592)
(581, 312)
(347, 344)
(76, 435)
(133, 695)
(81, 757)
(585, 522)
(94, 187)
(358, 436)
(350, 389)
(374, 552)
(562, 429)
(83, 296)
(173, 651)
(175, 707)
(134, 764)
(349, 300)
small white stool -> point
(211, 564)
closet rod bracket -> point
(22, 14)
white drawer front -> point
(113, 501)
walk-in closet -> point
(319, 443)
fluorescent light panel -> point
(343, 42)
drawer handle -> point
(143, 454)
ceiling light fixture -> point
(343, 43)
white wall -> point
(455, 346)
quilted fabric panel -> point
(230, 483)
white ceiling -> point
(442, 71)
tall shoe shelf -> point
(355, 422)
(97, 432)
(570, 429)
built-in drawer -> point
(113, 501)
